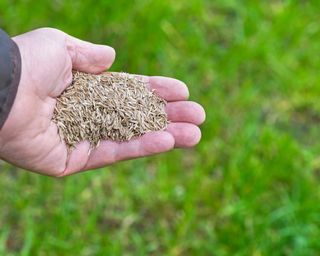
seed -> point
(109, 106)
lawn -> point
(251, 187)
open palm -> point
(29, 138)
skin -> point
(29, 139)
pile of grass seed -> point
(109, 106)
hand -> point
(29, 138)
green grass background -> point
(251, 187)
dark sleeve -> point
(10, 72)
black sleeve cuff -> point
(10, 72)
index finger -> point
(168, 88)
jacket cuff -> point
(10, 72)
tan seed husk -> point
(109, 106)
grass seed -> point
(109, 106)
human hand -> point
(29, 139)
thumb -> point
(89, 57)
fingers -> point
(185, 134)
(185, 117)
(110, 152)
(88, 57)
(167, 88)
(177, 135)
(185, 111)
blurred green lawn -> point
(251, 187)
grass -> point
(251, 187)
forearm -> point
(10, 72)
